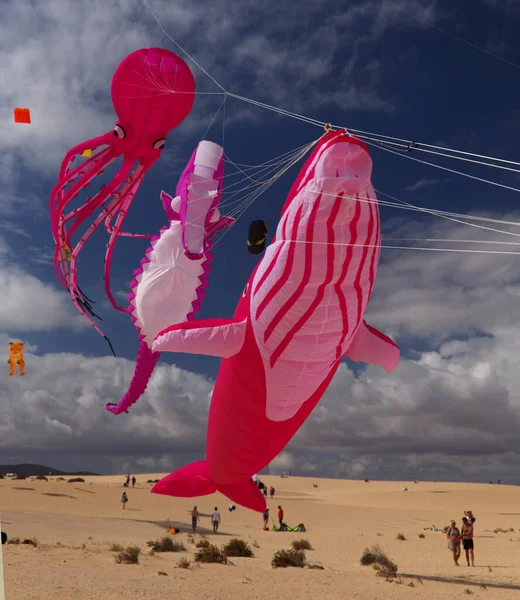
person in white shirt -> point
(215, 519)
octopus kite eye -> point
(245, 290)
(119, 132)
(159, 144)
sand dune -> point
(76, 523)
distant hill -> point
(31, 470)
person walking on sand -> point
(454, 537)
(215, 520)
(124, 500)
(133, 481)
(194, 518)
(266, 519)
(467, 541)
(280, 515)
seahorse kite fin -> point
(169, 285)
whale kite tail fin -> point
(193, 480)
(144, 367)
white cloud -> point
(422, 183)
(58, 59)
(283, 463)
(451, 409)
(27, 304)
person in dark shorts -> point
(467, 541)
(124, 499)
(195, 517)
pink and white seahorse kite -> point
(169, 285)
(300, 312)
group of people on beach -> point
(195, 518)
(465, 535)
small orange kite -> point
(22, 115)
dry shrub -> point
(400, 536)
(203, 543)
(31, 542)
(116, 548)
(76, 480)
(129, 556)
(14, 541)
(237, 547)
(210, 554)
(166, 544)
(376, 556)
(422, 536)
(162, 573)
(315, 566)
(183, 563)
(289, 558)
(302, 544)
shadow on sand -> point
(58, 495)
(24, 488)
(86, 491)
(461, 581)
(184, 527)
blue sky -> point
(452, 407)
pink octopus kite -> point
(153, 91)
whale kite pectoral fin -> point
(371, 346)
(213, 337)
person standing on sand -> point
(133, 481)
(215, 520)
(454, 537)
(467, 541)
(280, 515)
(266, 519)
(194, 518)
(124, 499)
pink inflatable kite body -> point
(169, 285)
(153, 91)
(300, 313)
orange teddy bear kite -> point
(16, 358)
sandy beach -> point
(77, 523)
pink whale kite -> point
(300, 313)
(152, 91)
(169, 286)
